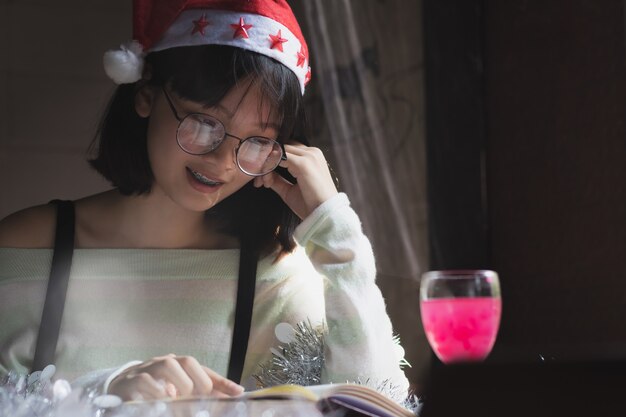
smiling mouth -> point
(201, 178)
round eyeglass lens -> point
(199, 134)
(258, 155)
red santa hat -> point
(264, 26)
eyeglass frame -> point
(283, 156)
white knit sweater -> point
(126, 305)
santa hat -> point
(264, 26)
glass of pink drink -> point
(461, 313)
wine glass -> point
(460, 313)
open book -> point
(357, 398)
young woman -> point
(204, 145)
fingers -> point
(191, 378)
(137, 386)
(296, 147)
(299, 154)
(171, 376)
(169, 369)
(223, 385)
(273, 181)
(203, 384)
(306, 162)
(314, 184)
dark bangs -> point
(205, 74)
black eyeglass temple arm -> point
(169, 101)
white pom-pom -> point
(124, 65)
(285, 332)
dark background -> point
(526, 108)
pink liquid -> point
(461, 329)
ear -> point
(144, 100)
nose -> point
(224, 155)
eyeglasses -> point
(199, 134)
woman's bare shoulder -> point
(33, 227)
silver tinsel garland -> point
(35, 395)
(300, 361)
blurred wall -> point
(53, 89)
(556, 135)
(526, 119)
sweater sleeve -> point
(97, 382)
(359, 344)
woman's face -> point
(199, 182)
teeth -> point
(202, 178)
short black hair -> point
(205, 74)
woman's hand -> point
(171, 376)
(315, 183)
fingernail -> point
(171, 390)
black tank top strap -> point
(54, 304)
(246, 286)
